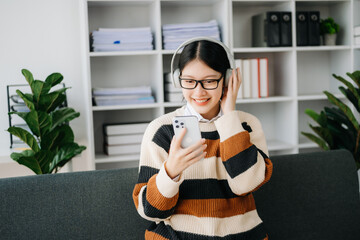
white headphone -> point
(176, 74)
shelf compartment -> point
(281, 71)
(124, 14)
(339, 10)
(313, 81)
(176, 12)
(243, 11)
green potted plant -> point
(338, 126)
(329, 29)
(51, 141)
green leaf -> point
(319, 118)
(28, 76)
(58, 137)
(324, 133)
(54, 79)
(44, 158)
(25, 136)
(65, 154)
(27, 159)
(39, 122)
(347, 93)
(63, 115)
(349, 85)
(347, 111)
(317, 140)
(39, 88)
(27, 99)
(51, 101)
(355, 76)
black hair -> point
(211, 53)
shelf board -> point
(103, 158)
(357, 47)
(124, 107)
(318, 97)
(323, 48)
(123, 53)
(265, 100)
(261, 49)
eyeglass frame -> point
(201, 82)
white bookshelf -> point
(297, 75)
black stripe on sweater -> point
(257, 233)
(146, 173)
(241, 161)
(163, 136)
(205, 189)
(153, 212)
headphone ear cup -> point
(176, 78)
(227, 76)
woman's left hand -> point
(228, 100)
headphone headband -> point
(229, 55)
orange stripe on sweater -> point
(156, 199)
(234, 145)
(153, 236)
(212, 148)
(136, 192)
(220, 208)
(268, 172)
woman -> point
(204, 191)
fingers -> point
(179, 138)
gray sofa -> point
(310, 196)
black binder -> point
(285, 29)
(273, 29)
(314, 28)
(302, 28)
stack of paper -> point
(175, 34)
(121, 96)
(172, 94)
(122, 39)
(255, 79)
(123, 139)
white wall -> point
(43, 36)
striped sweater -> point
(212, 198)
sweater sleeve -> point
(243, 152)
(155, 194)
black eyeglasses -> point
(208, 84)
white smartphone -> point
(191, 124)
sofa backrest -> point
(310, 196)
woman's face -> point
(205, 102)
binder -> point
(264, 77)
(266, 29)
(273, 29)
(314, 28)
(285, 29)
(246, 66)
(255, 80)
(302, 28)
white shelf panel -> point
(323, 48)
(318, 97)
(262, 49)
(123, 107)
(123, 53)
(276, 145)
(265, 100)
(103, 158)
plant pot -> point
(330, 39)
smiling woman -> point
(204, 190)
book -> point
(122, 149)
(124, 128)
(141, 90)
(124, 139)
(264, 77)
(247, 78)
(170, 88)
(255, 78)
(238, 64)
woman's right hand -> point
(181, 158)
